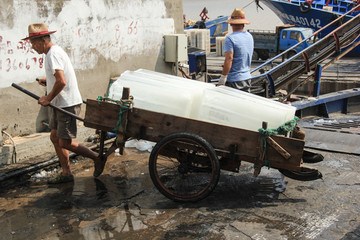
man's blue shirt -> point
(242, 45)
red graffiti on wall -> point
(18, 56)
(117, 32)
(132, 29)
(14, 65)
(25, 47)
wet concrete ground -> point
(123, 204)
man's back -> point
(241, 43)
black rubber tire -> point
(184, 167)
(310, 157)
(305, 7)
(304, 175)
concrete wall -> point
(103, 39)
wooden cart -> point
(185, 163)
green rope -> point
(124, 107)
(281, 130)
(106, 99)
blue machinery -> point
(326, 103)
(337, 43)
(197, 62)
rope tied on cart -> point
(281, 130)
(105, 99)
(125, 105)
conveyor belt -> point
(304, 62)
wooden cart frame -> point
(186, 161)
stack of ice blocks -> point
(182, 97)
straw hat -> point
(238, 17)
(37, 30)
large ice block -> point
(231, 107)
(178, 81)
(152, 98)
(161, 92)
(202, 101)
(196, 88)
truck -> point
(268, 43)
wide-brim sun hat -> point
(238, 17)
(37, 30)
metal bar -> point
(103, 135)
(341, 55)
(343, 25)
(306, 59)
(271, 84)
(336, 20)
(317, 78)
(336, 37)
(50, 105)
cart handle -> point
(51, 105)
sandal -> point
(61, 179)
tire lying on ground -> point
(305, 174)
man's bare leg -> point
(62, 154)
(80, 150)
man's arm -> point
(228, 62)
(226, 67)
(59, 85)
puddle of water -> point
(125, 205)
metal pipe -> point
(51, 105)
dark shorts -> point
(241, 85)
(64, 124)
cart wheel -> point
(184, 167)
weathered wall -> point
(102, 38)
